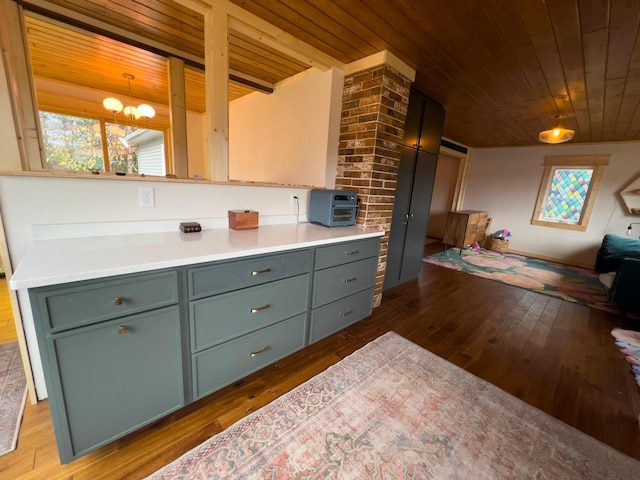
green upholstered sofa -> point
(618, 262)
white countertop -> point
(50, 262)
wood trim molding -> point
(178, 112)
(216, 54)
(384, 57)
(576, 160)
(17, 318)
(17, 67)
(461, 184)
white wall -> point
(290, 136)
(80, 206)
(505, 182)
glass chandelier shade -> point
(132, 113)
(146, 111)
(112, 104)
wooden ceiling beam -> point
(250, 25)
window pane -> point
(123, 156)
(135, 150)
(71, 143)
(567, 194)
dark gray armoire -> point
(418, 161)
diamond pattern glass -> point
(567, 194)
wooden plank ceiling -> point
(504, 70)
(83, 59)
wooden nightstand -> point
(465, 227)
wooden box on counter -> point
(243, 219)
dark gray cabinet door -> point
(418, 160)
(431, 128)
(115, 377)
(400, 217)
(413, 120)
(410, 216)
(423, 179)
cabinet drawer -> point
(226, 277)
(221, 365)
(91, 302)
(337, 315)
(346, 252)
(334, 283)
(218, 319)
(113, 382)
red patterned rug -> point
(13, 395)
(393, 410)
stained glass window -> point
(567, 194)
(568, 190)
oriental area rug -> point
(393, 410)
(13, 395)
(573, 284)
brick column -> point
(374, 107)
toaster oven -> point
(333, 208)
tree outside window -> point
(72, 143)
(123, 156)
(82, 144)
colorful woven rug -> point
(13, 395)
(393, 410)
(573, 284)
(629, 343)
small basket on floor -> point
(496, 244)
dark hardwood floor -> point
(554, 355)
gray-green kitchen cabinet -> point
(122, 352)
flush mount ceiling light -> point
(132, 113)
(558, 134)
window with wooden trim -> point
(568, 191)
(79, 143)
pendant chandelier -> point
(132, 113)
(558, 134)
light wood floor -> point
(7, 327)
(554, 355)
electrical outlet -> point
(145, 197)
(294, 200)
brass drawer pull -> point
(265, 349)
(119, 300)
(349, 280)
(353, 252)
(260, 272)
(348, 312)
(259, 309)
(122, 329)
